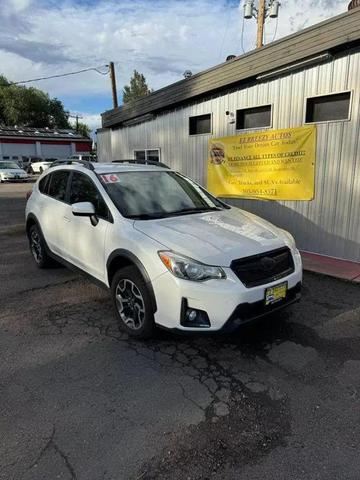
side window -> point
(200, 124)
(83, 190)
(327, 108)
(147, 154)
(139, 155)
(255, 117)
(44, 184)
(58, 184)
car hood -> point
(215, 238)
(12, 171)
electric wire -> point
(242, 35)
(225, 33)
(276, 27)
(95, 69)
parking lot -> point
(79, 400)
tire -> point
(41, 170)
(37, 248)
(135, 304)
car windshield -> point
(145, 195)
(8, 165)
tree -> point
(138, 88)
(30, 107)
(83, 129)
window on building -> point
(200, 124)
(147, 154)
(58, 184)
(83, 190)
(328, 108)
(255, 117)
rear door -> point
(54, 208)
(85, 241)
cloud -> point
(17, 5)
(159, 38)
(36, 52)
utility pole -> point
(113, 84)
(260, 24)
(266, 8)
(76, 121)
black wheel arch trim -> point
(31, 219)
(123, 253)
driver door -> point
(85, 241)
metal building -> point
(19, 143)
(312, 76)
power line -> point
(242, 35)
(95, 69)
(275, 31)
(225, 33)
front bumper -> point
(10, 179)
(228, 303)
(248, 312)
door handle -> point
(67, 219)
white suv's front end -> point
(223, 269)
(225, 302)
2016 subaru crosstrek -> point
(171, 254)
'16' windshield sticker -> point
(111, 178)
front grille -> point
(263, 268)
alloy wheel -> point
(130, 304)
(36, 247)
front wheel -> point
(37, 248)
(132, 303)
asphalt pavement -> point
(79, 400)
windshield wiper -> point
(185, 211)
(147, 216)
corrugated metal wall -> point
(104, 151)
(330, 224)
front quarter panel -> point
(123, 237)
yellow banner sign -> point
(271, 164)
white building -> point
(312, 76)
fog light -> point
(192, 317)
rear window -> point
(44, 184)
(58, 184)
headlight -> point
(288, 237)
(188, 269)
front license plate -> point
(276, 293)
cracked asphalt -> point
(80, 400)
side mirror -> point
(83, 209)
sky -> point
(161, 39)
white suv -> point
(171, 254)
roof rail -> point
(142, 162)
(85, 163)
